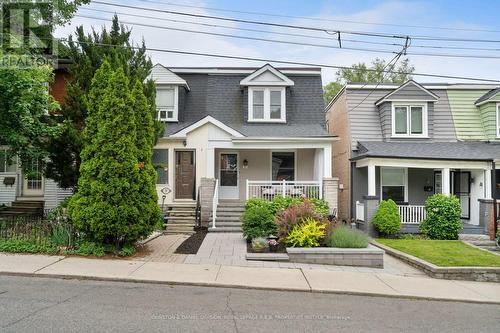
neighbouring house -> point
(233, 134)
(406, 142)
(33, 192)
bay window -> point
(167, 103)
(393, 184)
(266, 104)
(409, 120)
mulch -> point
(193, 243)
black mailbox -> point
(9, 181)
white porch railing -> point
(215, 202)
(412, 214)
(360, 211)
(269, 189)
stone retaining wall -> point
(482, 274)
(368, 257)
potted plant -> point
(259, 244)
(272, 242)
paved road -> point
(52, 305)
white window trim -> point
(267, 104)
(230, 152)
(408, 134)
(498, 120)
(405, 181)
(176, 104)
(294, 151)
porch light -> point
(245, 163)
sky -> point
(456, 19)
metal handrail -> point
(215, 202)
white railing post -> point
(215, 202)
(321, 189)
(283, 191)
(247, 191)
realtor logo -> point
(26, 35)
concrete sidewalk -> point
(297, 279)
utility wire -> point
(240, 28)
(287, 34)
(326, 30)
(447, 55)
(320, 18)
(287, 62)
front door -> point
(184, 175)
(228, 176)
(33, 180)
(460, 187)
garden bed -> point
(365, 257)
(193, 243)
(452, 260)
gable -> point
(490, 96)
(267, 76)
(201, 124)
(409, 91)
(162, 75)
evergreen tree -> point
(144, 143)
(88, 52)
(108, 206)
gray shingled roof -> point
(488, 95)
(464, 151)
(222, 97)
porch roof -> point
(460, 151)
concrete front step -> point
(231, 203)
(228, 218)
(224, 229)
(180, 218)
(226, 224)
(173, 232)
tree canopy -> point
(88, 52)
(361, 73)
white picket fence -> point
(412, 214)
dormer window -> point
(266, 104)
(167, 105)
(409, 120)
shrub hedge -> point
(386, 219)
(443, 217)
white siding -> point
(7, 193)
(54, 195)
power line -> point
(320, 18)
(266, 60)
(287, 34)
(326, 30)
(447, 55)
(240, 28)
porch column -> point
(445, 179)
(371, 181)
(487, 184)
(327, 161)
(210, 163)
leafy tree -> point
(109, 206)
(88, 52)
(374, 74)
(24, 105)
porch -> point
(410, 182)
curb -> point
(233, 286)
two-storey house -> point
(237, 133)
(407, 142)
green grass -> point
(443, 252)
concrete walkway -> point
(315, 280)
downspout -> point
(494, 196)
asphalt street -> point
(55, 305)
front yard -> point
(445, 253)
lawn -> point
(444, 253)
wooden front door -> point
(184, 175)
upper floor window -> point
(266, 104)
(167, 104)
(409, 120)
(498, 120)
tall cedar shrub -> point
(387, 219)
(144, 142)
(107, 207)
(443, 217)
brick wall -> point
(58, 87)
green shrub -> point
(258, 222)
(345, 237)
(280, 203)
(320, 206)
(386, 219)
(443, 217)
(86, 248)
(256, 202)
(309, 233)
(62, 235)
(127, 250)
(259, 244)
(27, 246)
(287, 219)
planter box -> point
(367, 257)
